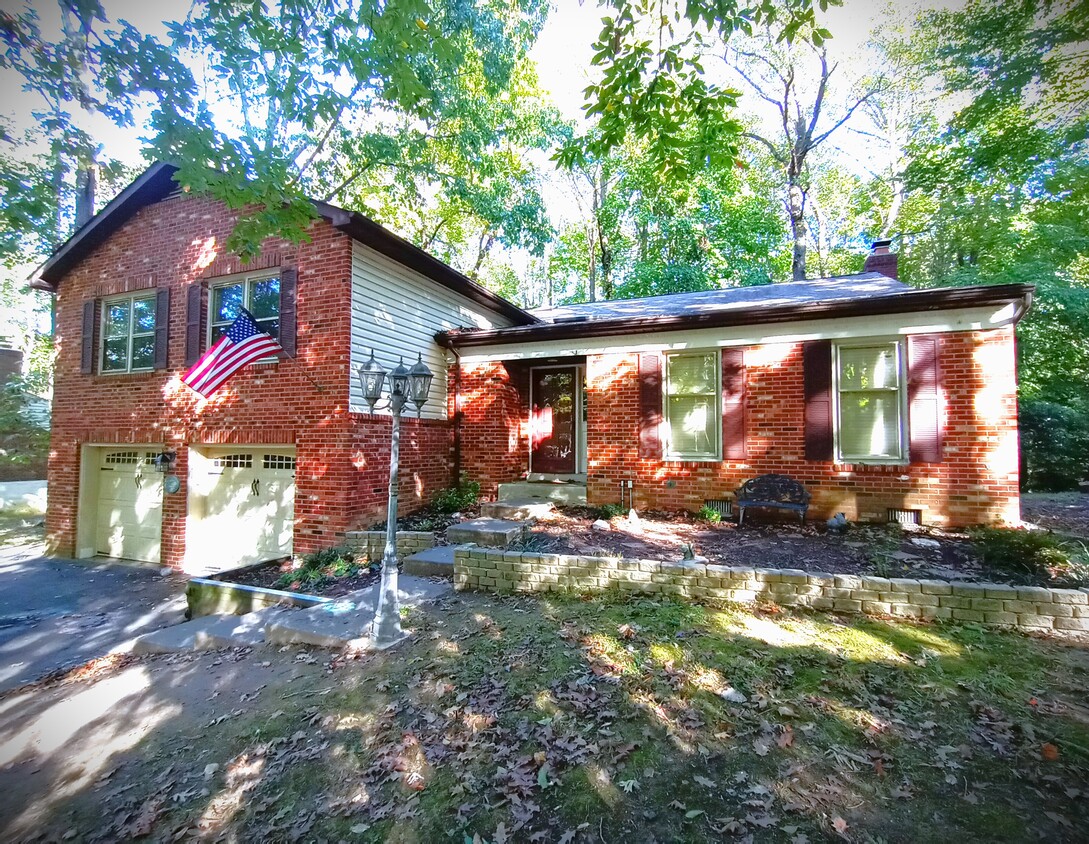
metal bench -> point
(778, 491)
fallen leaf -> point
(693, 813)
(786, 738)
(1059, 819)
(500, 835)
(1049, 751)
(761, 747)
(567, 837)
(706, 783)
(628, 786)
(840, 826)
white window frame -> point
(902, 404)
(714, 456)
(131, 298)
(247, 280)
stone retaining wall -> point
(1024, 607)
(373, 542)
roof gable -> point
(157, 183)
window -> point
(693, 424)
(128, 334)
(259, 295)
(870, 402)
(233, 461)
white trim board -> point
(889, 325)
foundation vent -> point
(905, 517)
(723, 506)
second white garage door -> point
(248, 507)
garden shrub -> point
(709, 514)
(610, 511)
(457, 498)
(1054, 446)
(1023, 552)
(322, 565)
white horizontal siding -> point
(396, 311)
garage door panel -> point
(249, 506)
(130, 506)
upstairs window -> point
(692, 414)
(870, 403)
(128, 334)
(260, 295)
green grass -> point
(604, 718)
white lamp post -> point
(404, 384)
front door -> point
(553, 420)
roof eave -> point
(371, 234)
(919, 300)
(153, 183)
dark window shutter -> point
(288, 284)
(194, 296)
(650, 405)
(817, 365)
(162, 326)
(733, 404)
(924, 400)
(87, 348)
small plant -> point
(708, 514)
(610, 511)
(320, 566)
(456, 499)
(1023, 552)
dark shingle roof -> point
(859, 286)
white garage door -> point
(130, 505)
(250, 505)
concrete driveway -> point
(57, 613)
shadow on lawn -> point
(606, 721)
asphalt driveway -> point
(57, 613)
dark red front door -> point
(553, 421)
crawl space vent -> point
(905, 517)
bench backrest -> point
(779, 488)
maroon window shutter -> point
(924, 400)
(817, 365)
(87, 347)
(162, 326)
(193, 299)
(650, 405)
(733, 404)
(288, 285)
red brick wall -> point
(492, 399)
(303, 401)
(976, 482)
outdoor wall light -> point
(164, 462)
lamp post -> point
(404, 385)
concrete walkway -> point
(57, 613)
(345, 623)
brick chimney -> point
(881, 260)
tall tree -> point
(794, 78)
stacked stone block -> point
(372, 543)
(1023, 607)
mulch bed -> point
(266, 577)
(887, 551)
(1062, 512)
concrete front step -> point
(561, 492)
(492, 533)
(434, 562)
(517, 510)
(209, 632)
(347, 622)
(547, 478)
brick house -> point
(876, 396)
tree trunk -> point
(86, 188)
(796, 210)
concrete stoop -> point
(489, 533)
(519, 511)
(571, 493)
(434, 562)
(338, 624)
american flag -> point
(243, 343)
